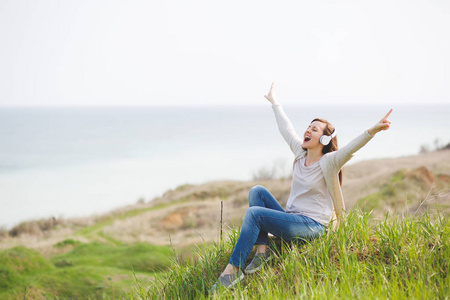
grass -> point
(390, 193)
(138, 257)
(365, 258)
(102, 268)
(403, 191)
(92, 270)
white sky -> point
(156, 52)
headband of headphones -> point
(333, 134)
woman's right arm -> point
(284, 124)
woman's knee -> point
(257, 189)
(255, 193)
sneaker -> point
(228, 280)
(257, 262)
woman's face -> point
(311, 138)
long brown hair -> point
(333, 145)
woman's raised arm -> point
(344, 154)
(284, 124)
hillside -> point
(361, 259)
(190, 214)
(111, 249)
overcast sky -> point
(158, 52)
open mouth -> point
(307, 139)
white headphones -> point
(326, 139)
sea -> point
(78, 161)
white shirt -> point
(309, 193)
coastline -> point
(82, 162)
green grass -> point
(363, 259)
(93, 270)
(138, 257)
(66, 243)
(18, 263)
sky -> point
(197, 52)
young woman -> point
(315, 198)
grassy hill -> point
(92, 270)
(363, 259)
(139, 250)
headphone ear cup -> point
(325, 140)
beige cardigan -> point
(331, 163)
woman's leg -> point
(260, 196)
(284, 225)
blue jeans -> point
(265, 215)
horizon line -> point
(215, 104)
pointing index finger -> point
(387, 115)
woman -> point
(315, 198)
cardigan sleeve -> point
(287, 130)
(344, 154)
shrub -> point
(37, 227)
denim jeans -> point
(265, 215)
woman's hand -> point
(383, 124)
(271, 95)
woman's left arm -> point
(345, 153)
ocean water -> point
(67, 162)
